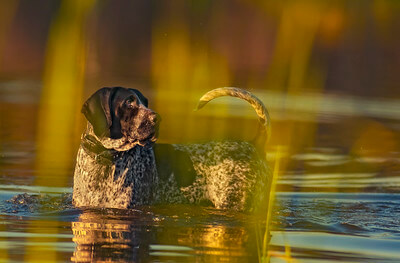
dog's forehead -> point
(139, 96)
(125, 93)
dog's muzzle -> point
(155, 118)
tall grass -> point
(60, 102)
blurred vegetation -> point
(61, 96)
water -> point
(337, 192)
(317, 227)
(320, 226)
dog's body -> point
(119, 167)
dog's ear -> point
(97, 111)
(141, 97)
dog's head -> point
(121, 115)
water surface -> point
(337, 191)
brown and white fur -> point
(119, 165)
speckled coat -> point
(122, 173)
(229, 174)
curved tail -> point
(255, 102)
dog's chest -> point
(135, 170)
(129, 181)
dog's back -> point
(230, 174)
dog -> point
(119, 165)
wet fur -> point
(127, 170)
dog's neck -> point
(122, 144)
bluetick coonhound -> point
(119, 165)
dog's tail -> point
(255, 102)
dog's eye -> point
(130, 103)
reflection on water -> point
(311, 247)
(115, 236)
(163, 233)
(100, 239)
